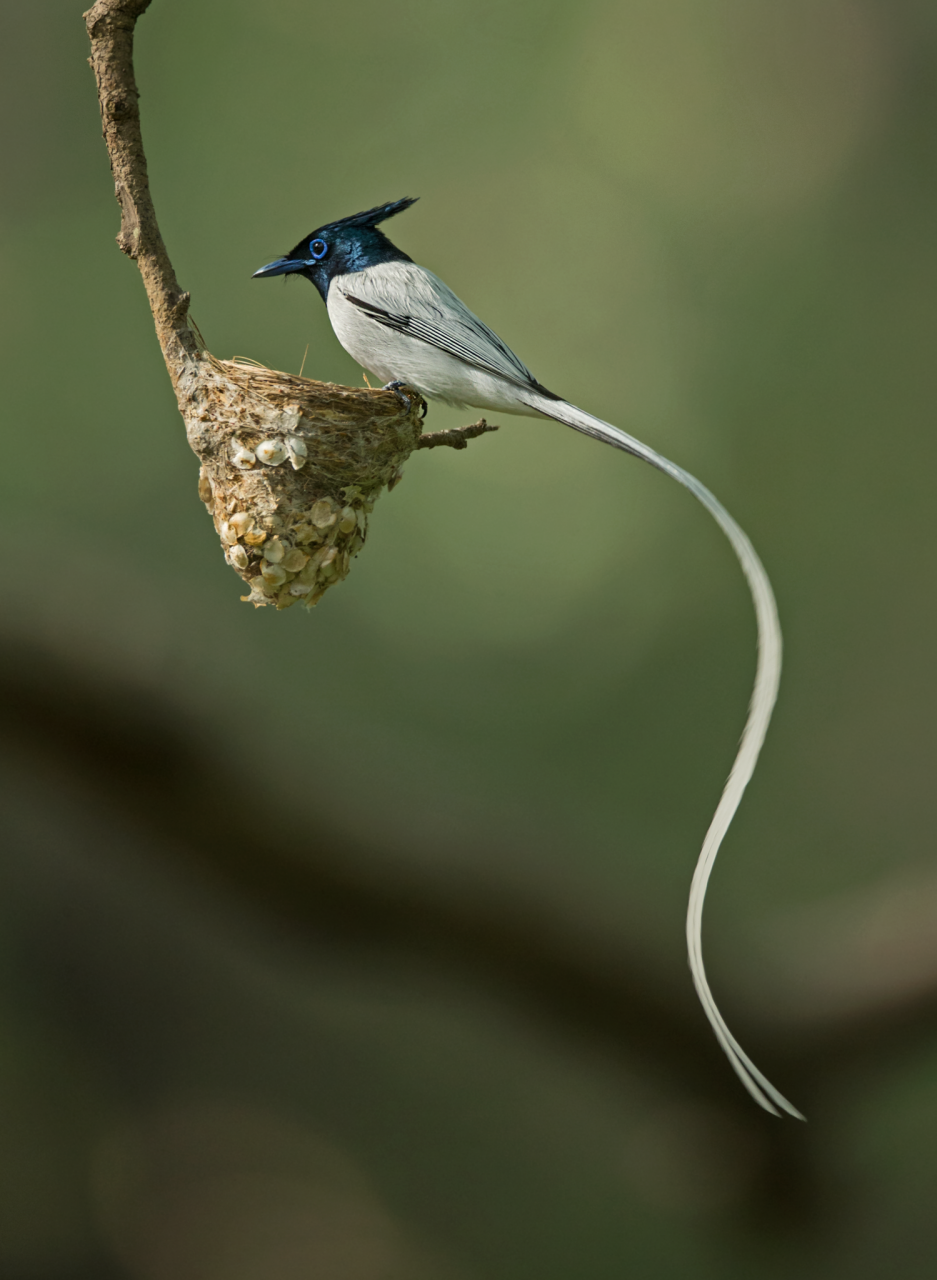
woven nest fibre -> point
(290, 471)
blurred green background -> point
(710, 223)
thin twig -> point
(455, 437)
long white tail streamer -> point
(764, 693)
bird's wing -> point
(436, 316)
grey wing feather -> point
(465, 337)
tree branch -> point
(110, 25)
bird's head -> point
(342, 247)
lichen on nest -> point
(291, 469)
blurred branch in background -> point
(132, 757)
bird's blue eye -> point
(318, 248)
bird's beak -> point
(279, 268)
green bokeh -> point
(711, 224)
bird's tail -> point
(764, 692)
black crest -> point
(371, 217)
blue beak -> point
(281, 267)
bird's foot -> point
(401, 396)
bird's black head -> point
(351, 244)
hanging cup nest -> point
(291, 469)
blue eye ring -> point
(318, 249)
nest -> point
(291, 469)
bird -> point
(401, 323)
